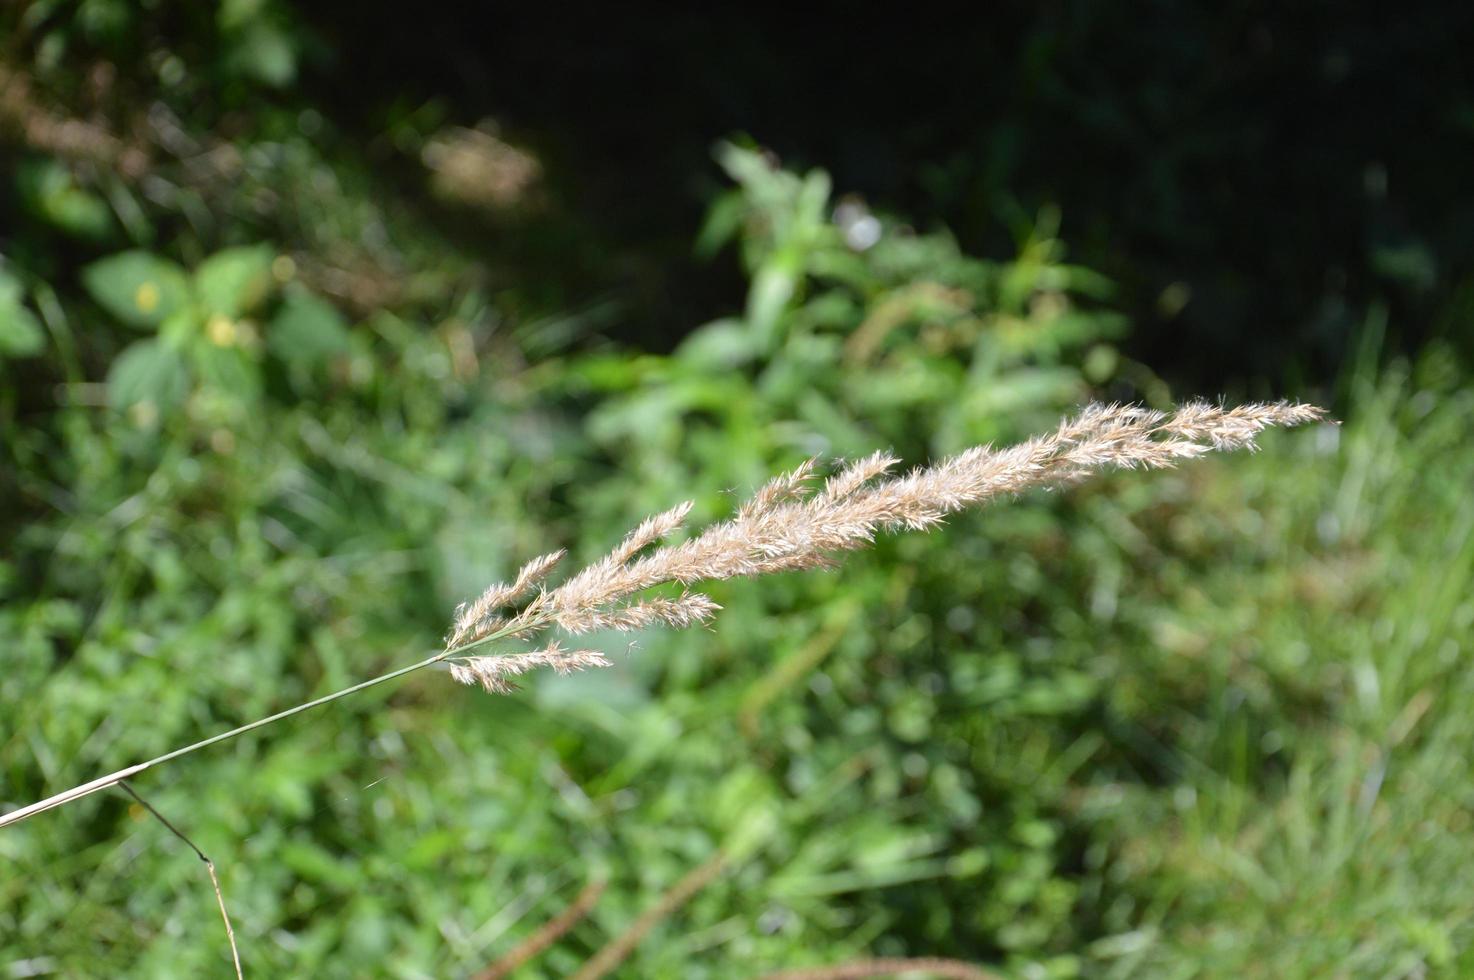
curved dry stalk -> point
(235, 953)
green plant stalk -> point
(114, 778)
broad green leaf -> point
(772, 288)
(812, 200)
(235, 15)
(307, 330)
(228, 370)
(48, 190)
(180, 329)
(139, 288)
(235, 280)
(264, 52)
(313, 863)
(10, 288)
(148, 372)
(723, 222)
(20, 331)
(725, 343)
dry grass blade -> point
(235, 953)
(930, 966)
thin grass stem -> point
(115, 778)
(235, 953)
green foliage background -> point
(268, 414)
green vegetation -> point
(265, 419)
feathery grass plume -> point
(495, 673)
(787, 525)
(855, 475)
(786, 486)
(477, 619)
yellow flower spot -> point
(144, 414)
(146, 297)
(283, 268)
(221, 330)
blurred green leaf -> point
(20, 332)
(772, 289)
(49, 191)
(234, 281)
(104, 20)
(148, 372)
(265, 52)
(721, 344)
(1411, 262)
(11, 290)
(139, 288)
(235, 15)
(722, 223)
(182, 329)
(227, 370)
(307, 330)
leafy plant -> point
(1187, 725)
(21, 334)
(205, 331)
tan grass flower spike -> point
(788, 524)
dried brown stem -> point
(617, 950)
(209, 866)
(889, 966)
(548, 933)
